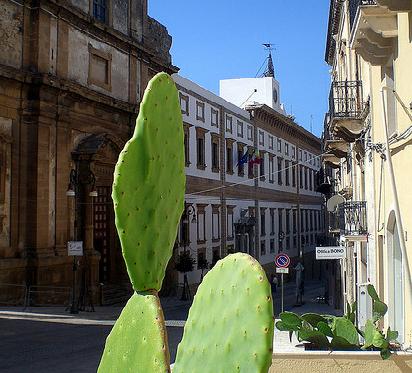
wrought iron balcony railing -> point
(352, 218)
(346, 99)
(353, 8)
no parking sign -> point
(282, 260)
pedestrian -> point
(274, 283)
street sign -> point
(282, 270)
(330, 252)
(75, 248)
(282, 260)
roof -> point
(287, 121)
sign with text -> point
(75, 248)
(282, 270)
(330, 252)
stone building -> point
(367, 139)
(261, 209)
(72, 75)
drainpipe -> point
(399, 224)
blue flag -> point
(244, 159)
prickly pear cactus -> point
(230, 324)
(137, 342)
(149, 185)
(148, 196)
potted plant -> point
(185, 263)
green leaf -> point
(379, 310)
(284, 327)
(325, 329)
(391, 335)
(372, 293)
(313, 336)
(291, 318)
(344, 328)
(385, 354)
(339, 343)
(370, 330)
(313, 319)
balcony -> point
(374, 28)
(346, 112)
(324, 182)
(331, 160)
(353, 220)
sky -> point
(214, 40)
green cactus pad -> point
(149, 185)
(230, 324)
(137, 342)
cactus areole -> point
(149, 184)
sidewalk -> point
(106, 315)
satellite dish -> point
(333, 202)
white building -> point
(249, 208)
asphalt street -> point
(39, 346)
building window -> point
(263, 222)
(300, 154)
(187, 144)
(215, 223)
(214, 117)
(316, 220)
(272, 246)
(200, 141)
(294, 170)
(250, 165)
(279, 171)
(271, 169)
(229, 123)
(215, 255)
(293, 152)
(249, 133)
(262, 248)
(215, 152)
(100, 68)
(230, 230)
(311, 220)
(229, 157)
(200, 111)
(240, 128)
(201, 257)
(294, 221)
(287, 221)
(279, 145)
(262, 166)
(240, 154)
(287, 183)
(286, 149)
(201, 224)
(306, 156)
(280, 224)
(184, 103)
(101, 10)
(310, 179)
(306, 177)
(307, 220)
(261, 138)
(301, 176)
(271, 142)
(302, 220)
(272, 221)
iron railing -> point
(346, 99)
(352, 218)
(353, 8)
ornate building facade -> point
(261, 208)
(72, 75)
(368, 155)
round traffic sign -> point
(282, 260)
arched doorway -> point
(395, 279)
(97, 155)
